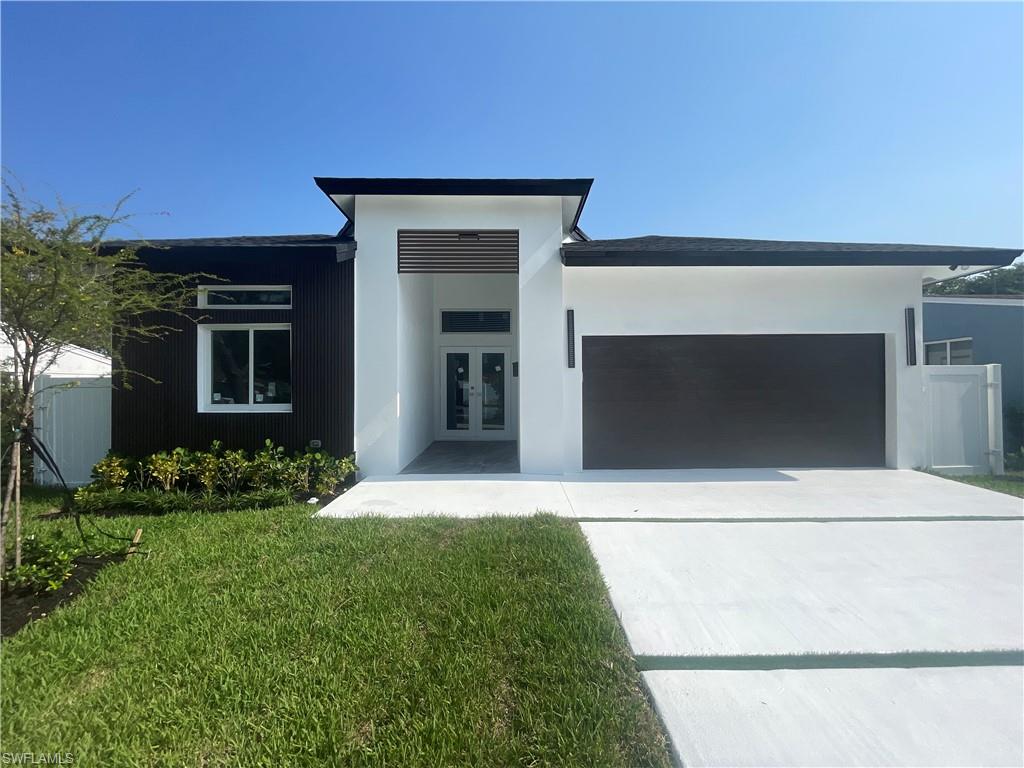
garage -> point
(794, 400)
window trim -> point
(949, 355)
(204, 368)
(203, 291)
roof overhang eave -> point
(573, 192)
(950, 260)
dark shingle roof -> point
(656, 250)
(333, 185)
(239, 241)
(340, 246)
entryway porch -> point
(454, 457)
(458, 395)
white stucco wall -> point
(383, 383)
(415, 365)
(396, 382)
(748, 300)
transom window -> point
(244, 368)
(949, 352)
(245, 296)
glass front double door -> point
(474, 393)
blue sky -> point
(873, 122)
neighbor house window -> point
(245, 296)
(949, 352)
(244, 368)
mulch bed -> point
(24, 606)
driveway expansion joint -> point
(861, 519)
(898, 660)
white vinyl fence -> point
(73, 421)
(964, 412)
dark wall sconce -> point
(911, 336)
(570, 329)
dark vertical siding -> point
(153, 416)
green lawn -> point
(1012, 482)
(268, 638)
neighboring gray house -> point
(966, 330)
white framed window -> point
(949, 351)
(245, 296)
(244, 368)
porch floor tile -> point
(462, 457)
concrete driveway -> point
(793, 617)
(876, 619)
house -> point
(476, 313)
(71, 360)
(966, 330)
(72, 411)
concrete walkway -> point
(473, 495)
(792, 617)
(721, 494)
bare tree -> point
(63, 284)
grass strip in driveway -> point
(1011, 483)
(265, 637)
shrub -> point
(203, 467)
(265, 499)
(1014, 462)
(154, 501)
(324, 473)
(45, 565)
(1013, 429)
(164, 468)
(270, 468)
(182, 480)
(233, 471)
(112, 472)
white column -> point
(994, 391)
(376, 342)
(541, 348)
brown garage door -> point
(658, 402)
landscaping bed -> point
(21, 606)
(267, 637)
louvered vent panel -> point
(458, 252)
(473, 321)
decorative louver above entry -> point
(476, 321)
(450, 251)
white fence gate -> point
(964, 413)
(73, 421)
